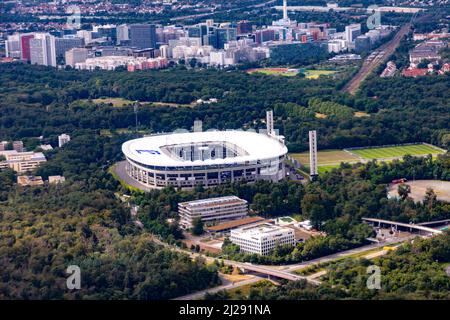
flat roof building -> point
(21, 161)
(63, 139)
(262, 239)
(30, 181)
(56, 179)
(212, 210)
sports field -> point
(329, 159)
(396, 151)
(326, 160)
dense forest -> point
(41, 101)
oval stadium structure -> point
(204, 158)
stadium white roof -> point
(148, 150)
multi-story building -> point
(143, 35)
(3, 145)
(352, 31)
(12, 47)
(62, 45)
(18, 146)
(362, 44)
(25, 46)
(212, 210)
(123, 33)
(262, 239)
(63, 139)
(244, 27)
(76, 55)
(43, 49)
(21, 161)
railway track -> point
(375, 59)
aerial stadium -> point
(209, 158)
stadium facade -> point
(185, 160)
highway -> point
(375, 59)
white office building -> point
(262, 239)
(212, 210)
(43, 49)
(352, 32)
(63, 139)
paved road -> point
(119, 169)
(369, 64)
(342, 254)
(228, 286)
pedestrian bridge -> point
(404, 225)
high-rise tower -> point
(285, 16)
(313, 154)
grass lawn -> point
(275, 71)
(396, 151)
(116, 102)
(123, 183)
(315, 74)
(326, 157)
(245, 289)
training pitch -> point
(329, 159)
(393, 152)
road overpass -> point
(409, 226)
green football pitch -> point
(396, 151)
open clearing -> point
(419, 188)
(275, 71)
(396, 151)
(309, 73)
(315, 74)
(115, 102)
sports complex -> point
(329, 159)
(208, 158)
